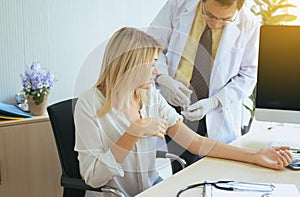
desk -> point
(29, 163)
(212, 169)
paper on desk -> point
(279, 191)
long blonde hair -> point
(126, 65)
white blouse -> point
(95, 136)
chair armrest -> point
(173, 157)
(77, 183)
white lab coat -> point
(234, 72)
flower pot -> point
(40, 109)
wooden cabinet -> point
(29, 163)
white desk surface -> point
(212, 169)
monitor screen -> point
(278, 84)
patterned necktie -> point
(201, 70)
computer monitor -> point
(278, 85)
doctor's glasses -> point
(210, 17)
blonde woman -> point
(119, 121)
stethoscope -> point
(232, 186)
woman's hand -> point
(148, 127)
(273, 157)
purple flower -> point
(37, 81)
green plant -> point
(268, 10)
(252, 97)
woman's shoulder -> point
(90, 93)
(90, 96)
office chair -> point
(62, 122)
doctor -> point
(233, 69)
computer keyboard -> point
(295, 150)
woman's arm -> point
(276, 158)
(142, 127)
(123, 146)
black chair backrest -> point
(62, 121)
